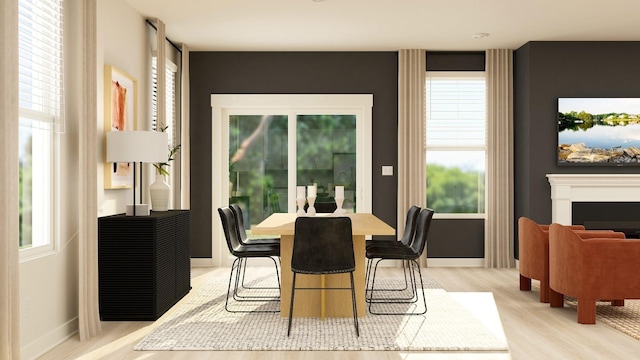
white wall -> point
(49, 284)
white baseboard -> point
(50, 340)
(202, 262)
(455, 262)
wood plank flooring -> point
(533, 330)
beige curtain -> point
(411, 133)
(88, 311)
(9, 234)
(185, 148)
(498, 235)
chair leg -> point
(240, 284)
(244, 270)
(293, 292)
(413, 268)
(237, 272)
(555, 298)
(353, 303)
(369, 290)
(586, 311)
(525, 283)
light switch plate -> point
(387, 170)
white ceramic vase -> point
(159, 194)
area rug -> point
(200, 322)
(622, 318)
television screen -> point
(599, 131)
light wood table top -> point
(361, 223)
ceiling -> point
(388, 25)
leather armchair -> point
(592, 269)
(533, 240)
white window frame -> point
(46, 118)
(458, 74)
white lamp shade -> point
(137, 146)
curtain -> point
(498, 248)
(411, 134)
(9, 233)
(88, 310)
(185, 149)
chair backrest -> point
(422, 230)
(323, 245)
(230, 229)
(410, 225)
(239, 217)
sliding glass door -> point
(272, 143)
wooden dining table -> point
(322, 303)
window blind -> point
(40, 74)
(170, 94)
(455, 111)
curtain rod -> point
(166, 38)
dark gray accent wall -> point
(291, 73)
(545, 71)
(320, 73)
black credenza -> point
(144, 264)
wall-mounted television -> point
(599, 131)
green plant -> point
(161, 167)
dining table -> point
(322, 303)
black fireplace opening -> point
(616, 216)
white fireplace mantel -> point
(569, 188)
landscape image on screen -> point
(599, 131)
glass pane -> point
(326, 156)
(456, 181)
(25, 188)
(258, 165)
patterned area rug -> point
(622, 318)
(200, 322)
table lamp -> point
(137, 147)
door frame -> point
(224, 105)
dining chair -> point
(322, 246)
(245, 240)
(409, 253)
(243, 252)
(407, 237)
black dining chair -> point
(243, 252)
(410, 254)
(407, 237)
(245, 240)
(323, 245)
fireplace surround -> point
(567, 189)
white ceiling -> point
(388, 25)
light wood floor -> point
(533, 330)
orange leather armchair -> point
(592, 269)
(533, 240)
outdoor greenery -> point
(583, 120)
(454, 190)
(25, 181)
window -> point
(41, 116)
(456, 142)
(171, 115)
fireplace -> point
(604, 201)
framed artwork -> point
(120, 114)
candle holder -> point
(339, 209)
(301, 207)
(311, 211)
